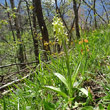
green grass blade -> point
(56, 90)
(18, 103)
(75, 74)
(87, 108)
(4, 104)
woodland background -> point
(41, 37)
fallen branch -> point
(14, 73)
(6, 92)
(14, 82)
(18, 64)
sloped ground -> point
(93, 51)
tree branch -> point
(93, 9)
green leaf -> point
(108, 108)
(87, 108)
(83, 90)
(101, 107)
(75, 75)
(4, 103)
(49, 106)
(62, 78)
(90, 96)
(28, 108)
(58, 90)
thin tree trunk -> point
(86, 21)
(94, 9)
(35, 33)
(21, 58)
(9, 20)
(76, 18)
(43, 28)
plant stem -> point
(68, 68)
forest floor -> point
(74, 79)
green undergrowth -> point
(66, 80)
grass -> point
(67, 80)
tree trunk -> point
(94, 9)
(35, 33)
(43, 28)
(9, 20)
(76, 18)
(21, 57)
